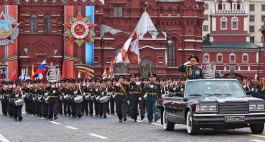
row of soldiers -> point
(75, 98)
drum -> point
(78, 99)
(87, 97)
(19, 102)
(104, 99)
(97, 98)
(93, 98)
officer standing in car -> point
(191, 69)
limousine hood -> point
(227, 99)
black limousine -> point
(212, 103)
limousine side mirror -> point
(185, 99)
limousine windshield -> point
(213, 88)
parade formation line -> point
(70, 127)
(3, 139)
(55, 122)
(98, 136)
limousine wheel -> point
(169, 126)
(257, 128)
(191, 128)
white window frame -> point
(206, 54)
(230, 55)
(245, 54)
(219, 54)
(223, 19)
(234, 19)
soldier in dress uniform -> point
(191, 69)
(153, 92)
(102, 104)
(17, 109)
(97, 96)
(85, 89)
(136, 91)
(4, 100)
(141, 96)
(78, 105)
(112, 102)
(53, 101)
(121, 98)
(92, 91)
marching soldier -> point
(135, 90)
(17, 107)
(112, 102)
(141, 96)
(191, 69)
(97, 96)
(103, 100)
(121, 92)
(153, 92)
(85, 89)
(92, 97)
(53, 101)
(4, 99)
(78, 102)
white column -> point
(257, 57)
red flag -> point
(129, 53)
(111, 74)
(87, 76)
(44, 77)
(105, 74)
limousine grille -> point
(233, 108)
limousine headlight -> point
(256, 107)
(206, 108)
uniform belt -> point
(120, 93)
(53, 96)
(151, 93)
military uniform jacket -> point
(153, 89)
(192, 72)
(119, 91)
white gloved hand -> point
(187, 63)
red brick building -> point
(170, 33)
(228, 43)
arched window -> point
(171, 52)
(47, 23)
(245, 58)
(34, 23)
(223, 23)
(234, 23)
(232, 58)
(146, 67)
(219, 58)
(206, 58)
(161, 10)
(169, 11)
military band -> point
(77, 97)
